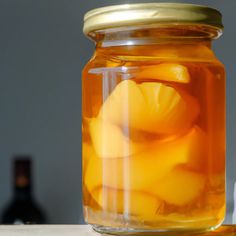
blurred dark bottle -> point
(23, 209)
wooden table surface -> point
(85, 230)
(47, 230)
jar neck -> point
(153, 42)
(176, 42)
(151, 35)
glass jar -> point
(153, 119)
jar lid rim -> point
(150, 13)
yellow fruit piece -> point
(136, 172)
(114, 62)
(86, 154)
(143, 170)
(150, 107)
(179, 187)
(109, 141)
(124, 105)
(197, 153)
(130, 203)
(167, 111)
(188, 220)
(166, 72)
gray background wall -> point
(42, 52)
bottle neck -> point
(22, 180)
(23, 193)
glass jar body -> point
(154, 137)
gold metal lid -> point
(150, 13)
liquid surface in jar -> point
(153, 142)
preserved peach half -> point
(144, 169)
(132, 203)
(124, 105)
(179, 187)
(109, 141)
(166, 72)
(197, 140)
(167, 111)
(150, 106)
(134, 172)
(86, 153)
